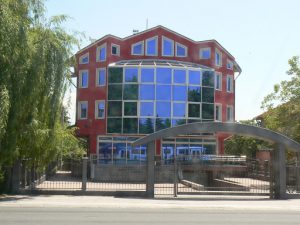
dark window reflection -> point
(209, 149)
(115, 92)
(194, 94)
(208, 94)
(105, 153)
(114, 108)
(177, 122)
(130, 108)
(130, 125)
(167, 153)
(131, 92)
(194, 110)
(114, 125)
(115, 75)
(119, 153)
(208, 79)
(146, 126)
(161, 123)
(207, 111)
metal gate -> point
(213, 175)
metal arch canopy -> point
(231, 128)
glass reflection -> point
(167, 47)
(147, 91)
(146, 109)
(194, 110)
(151, 46)
(179, 76)
(208, 78)
(194, 94)
(179, 93)
(119, 153)
(180, 50)
(179, 109)
(163, 92)
(130, 125)
(146, 126)
(131, 74)
(167, 153)
(194, 77)
(147, 75)
(105, 153)
(164, 75)
(131, 91)
(163, 109)
(161, 123)
(177, 122)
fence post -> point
(279, 171)
(84, 173)
(150, 170)
(16, 177)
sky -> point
(262, 35)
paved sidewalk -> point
(204, 202)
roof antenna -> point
(147, 24)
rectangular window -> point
(181, 50)
(99, 109)
(204, 53)
(167, 47)
(218, 82)
(130, 109)
(229, 85)
(218, 58)
(147, 75)
(83, 79)
(229, 64)
(151, 46)
(229, 114)
(101, 53)
(84, 59)
(218, 112)
(208, 111)
(101, 77)
(82, 110)
(115, 49)
(137, 48)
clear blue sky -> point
(261, 34)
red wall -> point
(92, 127)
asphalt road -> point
(112, 216)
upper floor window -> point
(99, 109)
(137, 48)
(218, 112)
(82, 110)
(84, 59)
(229, 85)
(83, 78)
(204, 53)
(151, 46)
(115, 49)
(229, 113)
(181, 50)
(218, 82)
(101, 53)
(218, 58)
(229, 64)
(101, 77)
(167, 47)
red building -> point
(129, 87)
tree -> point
(35, 58)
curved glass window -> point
(194, 77)
(147, 75)
(146, 109)
(163, 75)
(163, 109)
(194, 94)
(131, 92)
(147, 92)
(179, 93)
(131, 75)
(179, 76)
(208, 79)
(130, 108)
(163, 92)
(146, 125)
(208, 95)
(178, 109)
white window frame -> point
(220, 112)
(83, 56)
(220, 84)
(79, 110)
(98, 52)
(183, 46)
(156, 46)
(230, 117)
(80, 78)
(229, 62)
(202, 50)
(96, 109)
(133, 45)
(229, 77)
(217, 51)
(163, 47)
(97, 77)
(118, 49)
